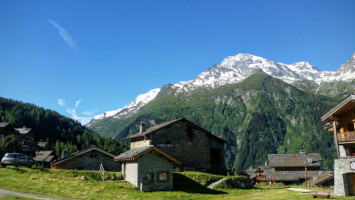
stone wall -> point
(342, 151)
(91, 161)
(154, 163)
(186, 143)
(343, 181)
(139, 143)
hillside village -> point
(179, 145)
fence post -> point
(102, 172)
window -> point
(150, 177)
(95, 155)
(189, 131)
(351, 127)
(352, 151)
(168, 142)
(163, 176)
(91, 155)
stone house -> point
(341, 121)
(148, 168)
(88, 159)
(193, 146)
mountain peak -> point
(235, 69)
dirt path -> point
(211, 186)
(26, 195)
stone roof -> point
(318, 180)
(43, 155)
(134, 154)
(78, 153)
(157, 127)
(4, 124)
(50, 158)
(23, 130)
(42, 144)
(294, 175)
(294, 160)
(346, 104)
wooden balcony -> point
(346, 137)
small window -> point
(91, 155)
(189, 131)
(168, 142)
(95, 155)
(163, 176)
(351, 127)
(150, 177)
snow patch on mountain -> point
(132, 108)
(234, 69)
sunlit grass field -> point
(66, 184)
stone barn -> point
(88, 159)
(193, 146)
(148, 168)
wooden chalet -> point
(341, 121)
(44, 158)
(288, 168)
(6, 128)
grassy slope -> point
(67, 184)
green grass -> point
(67, 184)
(12, 197)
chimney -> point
(302, 152)
(141, 127)
(64, 153)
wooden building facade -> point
(341, 121)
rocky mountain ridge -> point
(235, 69)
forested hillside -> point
(60, 132)
(258, 116)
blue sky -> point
(82, 58)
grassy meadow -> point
(66, 184)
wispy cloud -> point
(90, 113)
(61, 102)
(72, 112)
(65, 35)
(77, 103)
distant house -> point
(6, 129)
(341, 121)
(26, 133)
(289, 168)
(44, 158)
(295, 162)
(148, 168)
(195, 147)
(88, 159)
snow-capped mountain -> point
(234, 69)
(131, 109)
